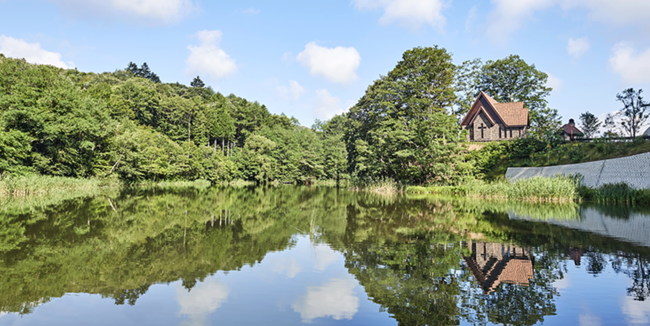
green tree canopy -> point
(401, 128)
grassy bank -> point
(493, 159)
(539, 189)
(559, 189)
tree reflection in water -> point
(424, 260)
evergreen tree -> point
(143, 72)
(197, 82)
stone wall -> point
(633, 170)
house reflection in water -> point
(494, 263)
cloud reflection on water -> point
(335, 298)
(288, 265)
(322, 256)
(636, 312)
(202, 300)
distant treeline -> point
(129, 125)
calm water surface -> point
(320, 256)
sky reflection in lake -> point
(291, 256)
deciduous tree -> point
(635, 111)
(589, 124)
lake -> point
(316, 255)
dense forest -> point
(129, 125)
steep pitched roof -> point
(512, 114)
(508, 270)
(484, 112)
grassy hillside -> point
(493, 160)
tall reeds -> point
(37, 185)
(618, 193)
(556, 189)
(380, 186)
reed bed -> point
(38, 185)
(379, 186)
(557, 189)
(183, 184)
(618, 193)
(537, 189)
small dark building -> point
(570, 132)
(489, 120)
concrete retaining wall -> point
(633, 170)
(634, 228)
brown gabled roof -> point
(517, 271)
(567, 130)
(512, 114)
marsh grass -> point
(556, 189)
(537, 189)
(183, 184)
(438, 190)
(379, 186)
(38, 185)
(618, 193)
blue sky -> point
(314, 59)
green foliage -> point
(400, 129)
(635, 111)
(533, 189)
(128, 124)
(15, 152)
(511, 79)
(67, 129)
(142, 71)
(590, 124)
(492, 160)
(619, 193)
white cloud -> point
(471, 18)
(620, 12)
(251, 11)
(152, 11)
(412, 14)
(632, 66)
(208, 58)
(636, 312)
(291, 92)
(323, 256)
(578, 46)
(202, 300)
(327, 106)
(32, 52)
(553, 82)
(288, 265)
(337, 64)
(510, 15)
(335, 298)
